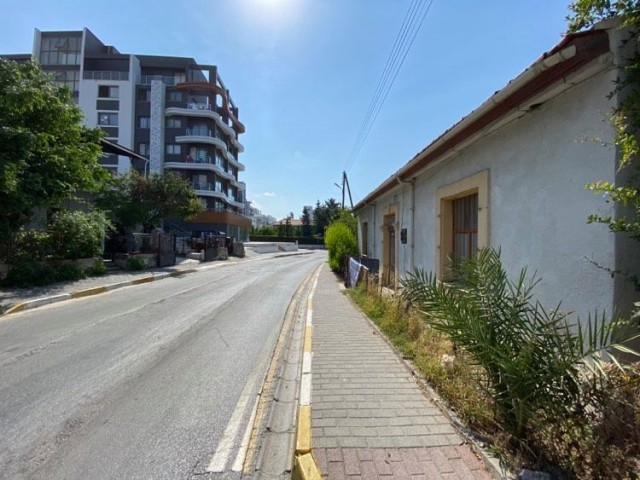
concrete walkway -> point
(370, 419)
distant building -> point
(176, 113)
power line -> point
(404, 41)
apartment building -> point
(176, 113)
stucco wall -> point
(538, 206)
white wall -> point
(538, 205)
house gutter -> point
(574, 52)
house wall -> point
(537, 166)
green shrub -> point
(97, 269)
(28, 273)
(340, 241)
(136, 264)
(77, 234)
(542, 370)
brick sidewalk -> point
(369, 418)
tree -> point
(325, 214)
(46, 154)
(135, 200)
(306, 222)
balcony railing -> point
(105, 75)
(200, 132)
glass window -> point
(105, 118)
(465, 226)
(107, 91)
(174, 149)
(174, 96)
(174, 122)
(144, 122)
(143, 149)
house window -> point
(462, 223)
(144, 122)
(174, 122)
(143, 149)
(365, 238)
(107, 91)
(174, 96)
(174, 149)
(465, 226)
(105, 118)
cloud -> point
(269, 194)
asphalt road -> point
(142, 382)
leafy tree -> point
(77, 234)
(135, 200)
(325, 214)
(46, 154)
(306, 222)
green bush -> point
(97, 269)
(340, 241)
(29, 273)
(136, 264)
(77, 234)
(539, 367)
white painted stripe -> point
(225, 447)
(309, 316)
(306, 362)
(242, 451)
(305, 389)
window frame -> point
(109, 123)
(474, 184)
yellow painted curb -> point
(142, 280)
(307, 338)
(88, 291)
(18, 307)
(303, 437)
(305, 468)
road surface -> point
(151, 381)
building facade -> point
(511, 176)
(176, 113)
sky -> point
(303, 73)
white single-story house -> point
(512, 175)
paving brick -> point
(368, 470)
(335, 470)
(468, 457)
(382, 462)
(334, 454)
(351, 462)
(351, 442)
(320, 456)
(364, 454)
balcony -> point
(208, 189)
(147, 79)
(205, 110)
(204, 135)
(200, 163)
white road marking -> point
(242, 451)
(306, 362)
(305, 389)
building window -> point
(143, 149)
(60, 50)
(462, 226)
(365, 237)
(174, 122)
(465, 226)
(174, 149)
(144, 122)
(174, 96)
(107, 91)
(68, 78)
(144, 95)
(105, 118)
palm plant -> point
(538, 363)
